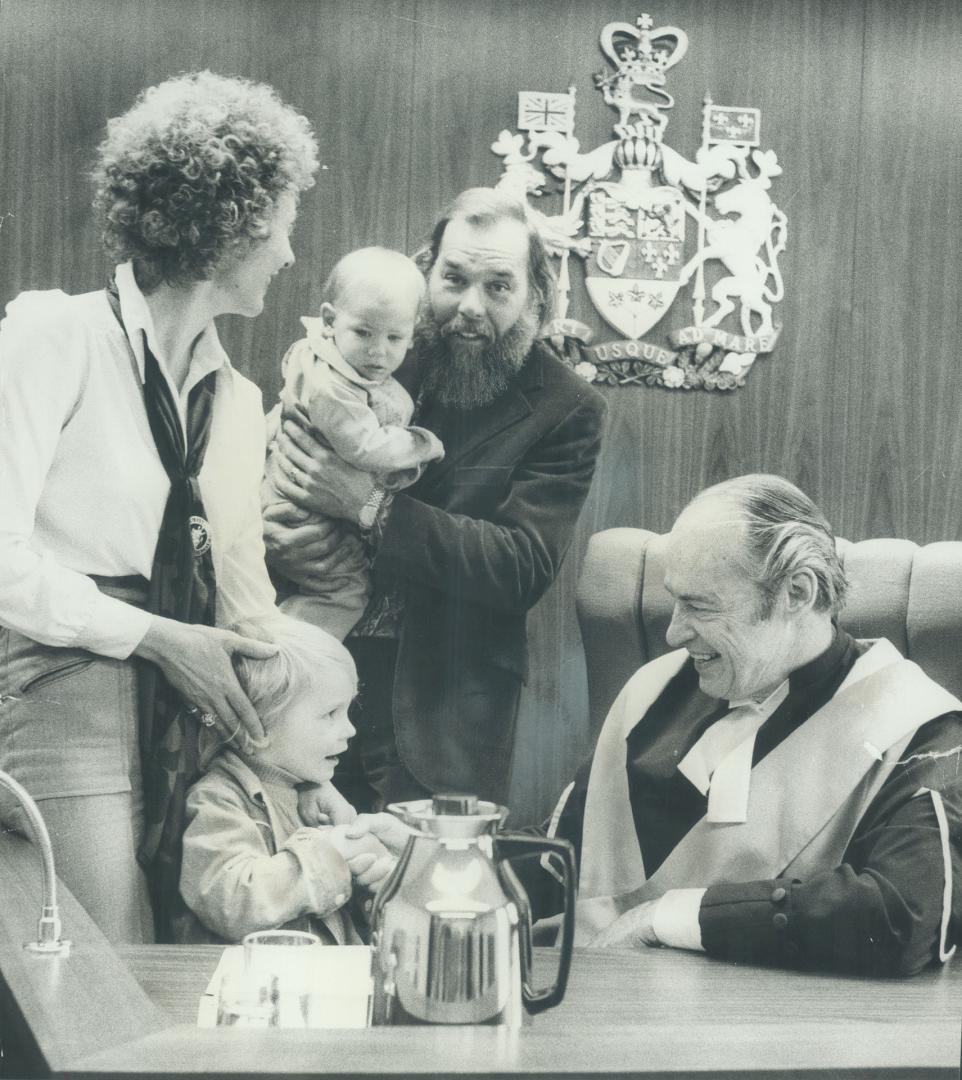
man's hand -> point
(310, 553)
(634, 928)
(196, 660)
(391, 831)
(367, 858)
(315, 478)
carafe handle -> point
(512, 845)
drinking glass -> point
(273, 987)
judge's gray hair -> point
(785, 532)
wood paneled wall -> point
(860, 98)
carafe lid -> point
(451, 814)
(454, 803)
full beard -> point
(468, 374)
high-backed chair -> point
(909, 594)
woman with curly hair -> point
(131, 458)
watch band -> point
(367, 515)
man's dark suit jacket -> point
(474, 544)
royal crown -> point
(641, 53)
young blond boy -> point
(249, 861)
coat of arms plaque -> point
(653, 228)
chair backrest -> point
(909, 594)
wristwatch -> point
(367, 515)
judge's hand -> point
(315, 478)
(391, 831)
(634, 928)
(367, 858)
(196, 661)
(309, 552)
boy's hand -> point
(391, 831)
(323, 804)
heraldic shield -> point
(637, 238)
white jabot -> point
(720, 762)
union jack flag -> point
(545, 112)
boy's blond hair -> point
(308, 659)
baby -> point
(339, 380)
(249, 862)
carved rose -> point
(586, 370)
(673, 376)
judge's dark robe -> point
(878, 912)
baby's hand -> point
(323, 804)
(391, 831)
(367, 858)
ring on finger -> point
(244, 741)
(207, 719)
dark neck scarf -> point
(182, 587)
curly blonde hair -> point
(191, 174)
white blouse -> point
(82, 489)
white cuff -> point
(114, 628)
(674, 919)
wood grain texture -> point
(669, 986)
(832, 1050)
(905, 393)
(859, 402)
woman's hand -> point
(309, 552)
(315, 478)
(196, 660)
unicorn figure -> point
(757, 224)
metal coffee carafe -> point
(451, 928)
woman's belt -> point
(132, 589)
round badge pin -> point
(199, 536)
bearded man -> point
(460, 557)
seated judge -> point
(773, 790)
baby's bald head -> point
(371, 304)
(375, 270)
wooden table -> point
(657, 1013)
